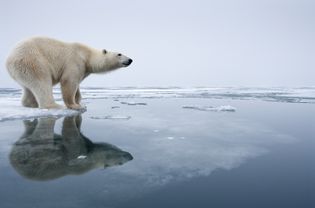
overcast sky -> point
(177, 43)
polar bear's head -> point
(106, 61)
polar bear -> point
(39, 63)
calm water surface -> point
(162, 155)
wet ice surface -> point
(163, 155)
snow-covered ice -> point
(274, 94)
(11, 109)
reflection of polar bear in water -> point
(40, 154)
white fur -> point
(39, 63)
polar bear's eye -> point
(119, 54)
(104, 51)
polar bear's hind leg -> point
(44, 95)
(28, 99)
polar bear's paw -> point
(77, 107)
(53, 106)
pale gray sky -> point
(177, 43)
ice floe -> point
(112, 117)
(222, 108)
(133, 103)
(11, 109)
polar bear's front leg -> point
(69, 90)
(78, 96)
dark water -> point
(161, 155)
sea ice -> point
(112, 117)
(11, 109)
(10, 105)
(273, 94)
(222, 108)
(133, 103)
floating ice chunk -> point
(156, 130)
(171, 137)
(133, 103)
(81, 157)
(110, 117)
(226, 108)
(211, 108)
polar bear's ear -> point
(104, 51)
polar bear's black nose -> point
(127, 62)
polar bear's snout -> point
(128, 62)
(124, 60)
